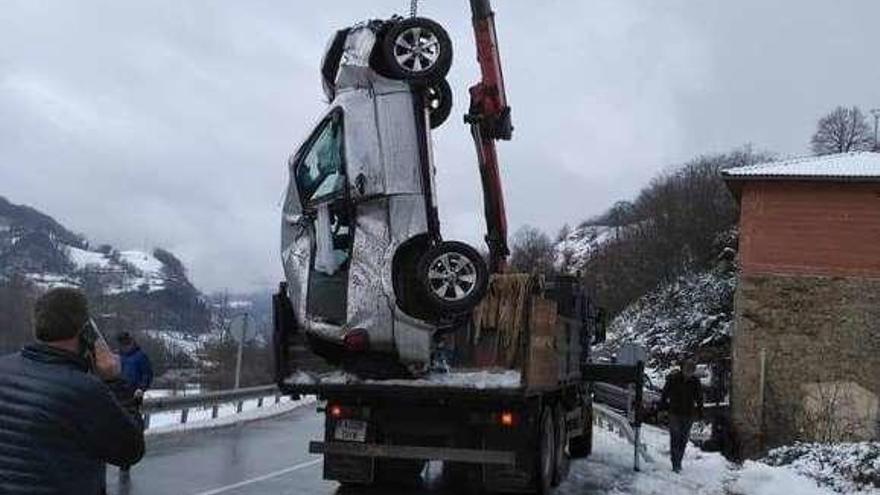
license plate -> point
(351, 430)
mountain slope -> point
(129, 290)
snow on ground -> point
(147, 264)
(847, 467)
(483, 379)
(609, 471)
(186, 343)
(83, 259)
(48, 281)
(200, 419)
(576, 248)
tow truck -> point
(499, 388)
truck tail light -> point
(508, 419)
(356, 340)
(337, 411)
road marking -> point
(258, 479)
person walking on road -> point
(683, 399)
(60, 421)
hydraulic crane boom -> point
(489, 118)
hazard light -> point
(508, 419)
(337, 412)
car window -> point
(319, 173)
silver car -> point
(367, 270)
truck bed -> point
(471, 384)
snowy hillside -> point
(122, 271)
(577, 246)
(128, 289)
(692, 314)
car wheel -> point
(438, 100)
(454, 277)
(417, 50)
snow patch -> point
(609, 470)
(46, 281)
(479, 380)
(83, 259)
(846, 467)
(200, 419)
(576, 248)
(756, 478)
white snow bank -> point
(200, 419)
(482, 379)
(757, 478)
(609, 471)
(850, 467)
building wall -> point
(814, 228)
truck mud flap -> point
(349, 469)
(372, 450)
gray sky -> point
(169, 123)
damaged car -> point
(367, 270)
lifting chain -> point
(413, 8)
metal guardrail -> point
(605, 417)
(209, 399)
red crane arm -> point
(489, 118)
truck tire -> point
(582, 446)
(417, 50)
(546, 459)
(562, 458)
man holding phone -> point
(60, 422)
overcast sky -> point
(168, 123)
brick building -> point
(806, 343)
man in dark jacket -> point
(59, 420)
(137, 370)
(683, 399)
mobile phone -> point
(89, 337)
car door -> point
(321, 182)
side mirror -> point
(601, 326)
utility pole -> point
(244, 326)
(876, 113)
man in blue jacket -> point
(137, 370)
(60, 420)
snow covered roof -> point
(853, 166)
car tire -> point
(438, 101)
(417, 50)
(453, 277)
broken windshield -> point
(319, 174)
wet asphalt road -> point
(258, 458)
(271, 457)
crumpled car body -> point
(361, 188)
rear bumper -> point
(372, 450)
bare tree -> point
(532, 251)
(842, 130)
